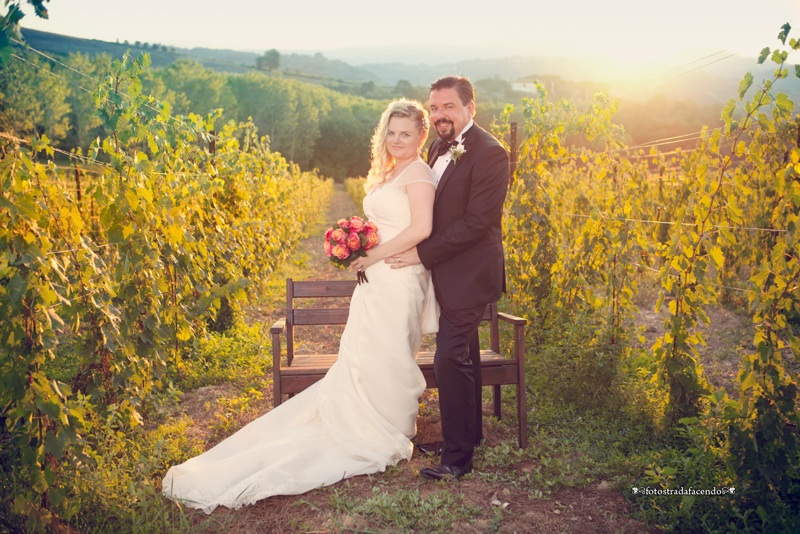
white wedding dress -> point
(360, 417)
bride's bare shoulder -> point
(417, 171)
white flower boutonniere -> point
(456, 151)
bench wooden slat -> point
(324, 288)
(319, 316)
(302, 370)
(309, 368)
(320, 363)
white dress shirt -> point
(443, 161)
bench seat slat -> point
(307, 369)
(305, 364)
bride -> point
(361, 416)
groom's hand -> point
(404, 259)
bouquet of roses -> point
(349, 239)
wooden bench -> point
(295, 372)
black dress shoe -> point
(429, 448)
(446, 472)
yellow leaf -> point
(77, 222)
(174, 234)
(133, 200)
(48, 295)
(717, 257)
(145, 194)
(127, 230)
(184, 333)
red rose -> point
(328, 233)
(341, 252)
(339, 235)
(354, 241)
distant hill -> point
(303, 66)
(713, 80)
(53, 43)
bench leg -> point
(496, 396)
(276, 388)
(522, 415)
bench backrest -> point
(321, 289)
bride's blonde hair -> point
(383, 163)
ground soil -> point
(594, 509)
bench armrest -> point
(276, 330)
(513, 319)
(278, 326)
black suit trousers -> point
(457, 367)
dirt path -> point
(497, 502)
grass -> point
(402, 510)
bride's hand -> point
(361, 264)
(404, 259)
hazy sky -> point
(622, 29)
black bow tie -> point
(444, 147)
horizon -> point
(633, 32)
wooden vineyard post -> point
(512, 163)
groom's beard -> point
(445, 129)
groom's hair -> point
(461, 84)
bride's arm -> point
(420, 199)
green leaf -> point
(785, 29)
(747, 381)
(783, 103)
(745, 84)
(762, 57)
(727, 112)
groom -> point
(465, 255)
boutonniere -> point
(456, 151)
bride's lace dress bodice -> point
(359, 418)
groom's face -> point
(448, 114)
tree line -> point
(310, 125)
(314, 126)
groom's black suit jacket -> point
(465, 249)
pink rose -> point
(356, 224)
(371, 227)
(372, 240)
(354, 241)
(344, 223)
(328, 248)
(340, 251)
(328, 233)
(339, 235)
